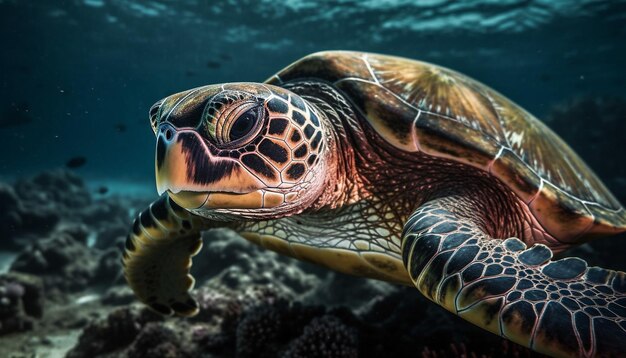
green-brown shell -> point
(417, 106)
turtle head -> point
(253, 150)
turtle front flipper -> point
(158, 255)
(561, 308)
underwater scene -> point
(352, 178)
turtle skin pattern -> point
(560, 308)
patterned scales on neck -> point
(363, 236)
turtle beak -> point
(172, 167)
(188, 172)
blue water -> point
(79, 76)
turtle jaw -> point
(187, 171)
(258, 199)
(184, 162)
(189, 199)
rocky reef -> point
(21, 302)
(260, 322)
(64, 293)
(37, 206)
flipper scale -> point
(157, 257)
(561, 308)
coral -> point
(505, 349)
(295, 316)
(264, 320)
(57, 189)
(325, 336)
(63, 261)
(265, 330)
(221, 311)
(208, 339)
(118, 330)
(34, 207)
(156, 341)
(67, 264)
(221, 306)
(337, 289)
(16, 220)
(21, 301)
(237, 264)
(257, 333)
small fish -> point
(213, 64)
(103, 190)
(190, 73)
(76, 162)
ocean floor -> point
(62, 292)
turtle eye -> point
(244, 124)
(239, 124)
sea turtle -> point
(393, 169)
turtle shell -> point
(418, 106)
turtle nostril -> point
(168, 134)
